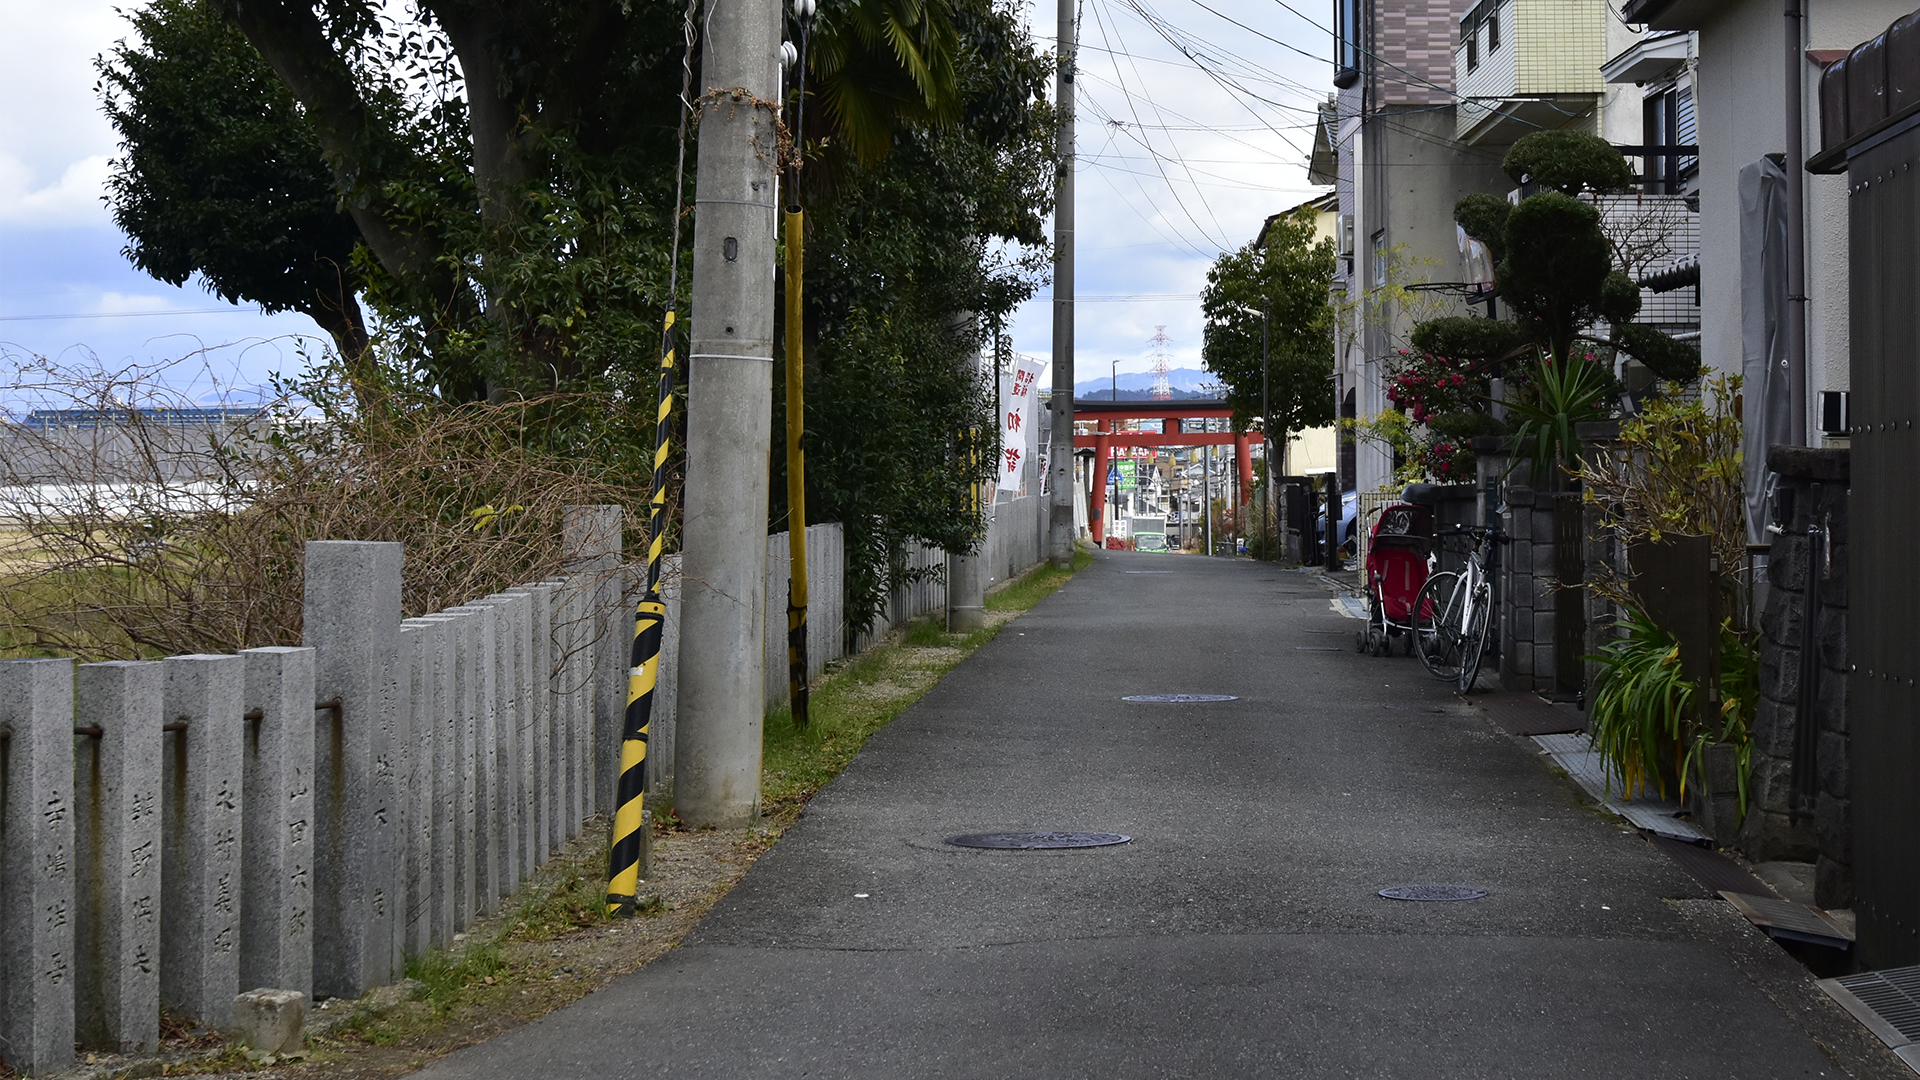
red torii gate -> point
(1170, 414)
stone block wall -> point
(1528, 590)
(1812, 490)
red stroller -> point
(1397, 555)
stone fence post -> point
(200, 856)
(276, 880)
(352, 621)
(592, 545)
(117, 856)
(36, 863)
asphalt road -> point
(1241, 932)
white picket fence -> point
(306, 818)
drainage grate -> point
(1316, 648)
(1433, 892)
(1786, 919)
(1711, 869)
(1028, 841)
(1146, 571)
(1179, 699)
(1887, 1002)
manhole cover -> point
(1433, 892)
(1027, 841)
(1159, 699)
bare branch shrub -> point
(128, 531)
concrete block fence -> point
(177, 831)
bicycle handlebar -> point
(1478, 532)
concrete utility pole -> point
(1060, 462)
(729, 421)
(966, 570)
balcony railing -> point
(1662, 167)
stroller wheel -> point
(1360, 641)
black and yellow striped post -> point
(630, 839)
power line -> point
(1104, 36)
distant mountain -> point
(1184, 382)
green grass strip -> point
(859, 697)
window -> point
(1473, 47)
(1380, 259)
(1493, 29)
(1668, 121)
(1346, 45)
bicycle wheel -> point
(1473, 639)
(1436, 624)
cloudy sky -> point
(1183, 154)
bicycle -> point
(1454, 612)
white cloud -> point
(119, 303)
(72, 200)
(53, 117)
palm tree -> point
(879, 63)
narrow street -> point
(1240, 932)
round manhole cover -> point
(1433, 892)
(1027, 841)
(1162, 699)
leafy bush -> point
(1484, 217)
(1568, 162)
(1466, 337)
(1677, 468)
(1674, 361)
(1566, 394)
(1644, 710)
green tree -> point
(1556, 270)
(499, 174)
(1288, 278)
(504, 167)
(1557, 273)
(910, 257)
(222, 177)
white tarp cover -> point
(1767, 394)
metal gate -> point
(1884, 221)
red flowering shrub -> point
(1436, 392)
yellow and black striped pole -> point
(630, 838)
(797, 687)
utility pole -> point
(1206, 489)
(966, 576)
(1269, 530)
(1060, 462)
(729, 421)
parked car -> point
(1349, 512)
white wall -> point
(1739, 93)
